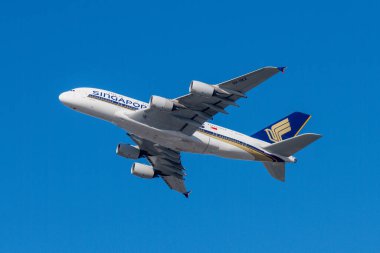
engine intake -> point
(142, 170)
(201, 89)
(161, 103)
(128, 151)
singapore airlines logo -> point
(278, 130)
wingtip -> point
(282, 69)
(186, 194)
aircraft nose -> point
(64, 97)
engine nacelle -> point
(160, 103)
(142, 170)
(128, 151)
(202, 89)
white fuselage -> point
(208, 139)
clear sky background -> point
(63, 189)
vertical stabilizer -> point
(283, 129)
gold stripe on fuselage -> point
(258, 156)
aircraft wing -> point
(166, 162)
(192, 110)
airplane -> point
(163, 128)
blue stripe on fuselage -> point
(273, 157)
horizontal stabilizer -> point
(276, 170)
(292, 145)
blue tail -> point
(283, 129)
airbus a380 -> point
(163, 128)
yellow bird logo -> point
(278, 130)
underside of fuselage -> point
(208, 139)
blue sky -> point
(63, 189)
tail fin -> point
(283, 129)
(290, 146)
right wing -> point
(193, 110)
(166, 162)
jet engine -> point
(161, 103)
(128, 151)
(201, 89)
(142, 170)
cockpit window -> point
(73, 90)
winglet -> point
(282, 69)
(186, 194)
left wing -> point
(166, 162)
(187, 113)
